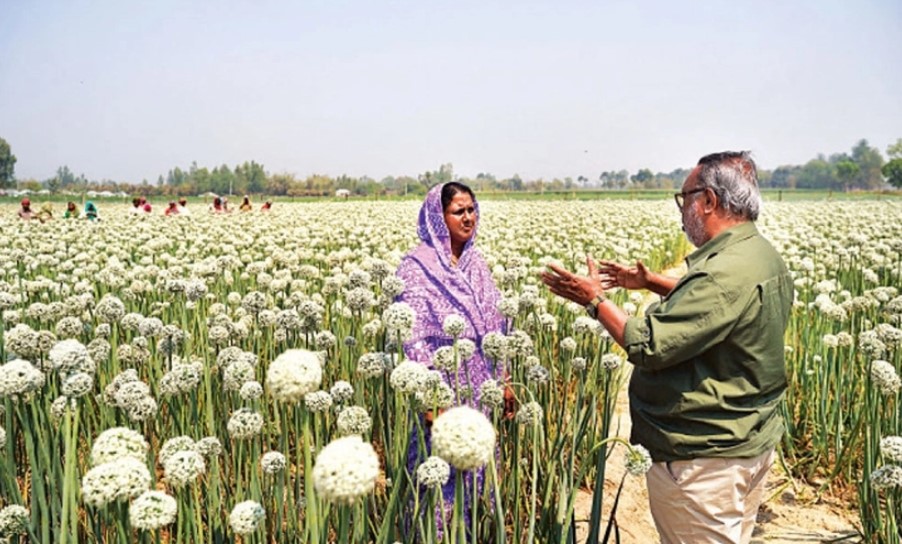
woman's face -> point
(460, 216)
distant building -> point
(342, 193)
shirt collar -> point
(725, 239)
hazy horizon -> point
(126, 92)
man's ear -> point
(710, 200)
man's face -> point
(693, 224)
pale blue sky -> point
(127, 90)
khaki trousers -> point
(707, 500)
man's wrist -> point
(592, 306)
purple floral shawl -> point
(435, 289)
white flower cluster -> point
(235, 375)
(19, 377)
(115, 481)
(638, 460)
(371, 365)
(318, 401)
(408, 377)
(345, 470)
(244, 423)
(353, 420)
(22, 341)
(530, 414)
(294, 374)
(433, 472)
(246, 517)
(466, 348)
(495, 346)
(887, 477)
(182, 378)
(70, 356)
(209, 446)
(360, 299)
(435, 396)
(519, 344)
(611, 361)
(538, 374)
(183, 467)
(891, 448)
(585, 325)
(273, 462)
(464, 437)
(399, 319)
(152, 510)
(14, 520)
(174, 445)
(341, 391)
(568, 345)
(885, 377)
(454, 325)
(491, 394)
(117, 443)
(444, 359)
(132, 395)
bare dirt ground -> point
(791, 513)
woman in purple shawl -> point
(446, 275)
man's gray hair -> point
(733, 177)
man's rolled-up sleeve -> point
(696, 316)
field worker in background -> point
(246, 205)
(183, 207)
(25, 211)
(266, 206)
(91, 211)
(71, 211)
(136, 207)
(709, 374)
(173, 209)
(46, 213)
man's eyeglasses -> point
(680, 198)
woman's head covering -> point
(431, 228)
(26, 203)
(435, 289)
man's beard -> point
(694, 228)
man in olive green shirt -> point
(709, 373)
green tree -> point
(278, 184)
(642, 177)
(870, 163)
(847, 171)
(53, 184)
(893, 172)
(7, 165)
(894, 151)
(66, 177)
(250, 178)
(819, 173)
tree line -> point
(862, 168)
